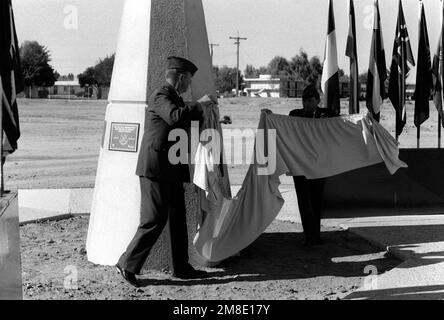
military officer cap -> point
(181, 64)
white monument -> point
(150, 32)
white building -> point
(66, 89)
(264, 86)
(267, 86)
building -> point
(267, 86)
(410, 88)
(66, 90)
(264, 86)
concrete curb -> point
(53, 204)
(56, 204)
(403, 256)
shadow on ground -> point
(275, 266)
(424, 243)
(281, 256)
(407, 293)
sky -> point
(79, 32)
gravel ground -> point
(275, 266)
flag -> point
(401, 58)
(438, 73)
(330, 72)
(377, 71)
(424, 79)
(352, 52)
(11, 81)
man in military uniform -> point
(161, 182)
(309, 192)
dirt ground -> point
(274, 267)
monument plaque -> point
(124, 137)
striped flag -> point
(424, 79)
(11, 81)
(401, 59)
(377, 71)
(330, 72)
(438, 73)
(352, 52)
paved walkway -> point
(419, 242)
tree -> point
(98, 76)
(226, 78)
(279, 66)
(69, 77)
(315, 75)
(252, 72)
(308, 70)
(35, 64)
(300, 66)
(363, 77)
(343, 77)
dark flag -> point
(330, 72)
(438, 74)
(11, 82)
(377, 71)
(424, 77)
(402, 57)
(352, 52)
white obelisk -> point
(116, 202)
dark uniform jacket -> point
(166, 111)
(318, 113)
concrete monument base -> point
(10, 261)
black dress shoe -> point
(128, 276)
(190, 273)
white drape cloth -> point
(315, 148)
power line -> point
(238, 39)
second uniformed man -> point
(309, 192)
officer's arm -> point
(172, 114)
(196, 110)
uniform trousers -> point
(310, 193)
(162, 203)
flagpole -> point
(418, 129)
(441, 71)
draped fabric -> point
(314, 148)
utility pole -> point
(212, 45)
(238, 39)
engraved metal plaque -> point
(124, 137)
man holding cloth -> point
(161, 182)
(309, 192)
